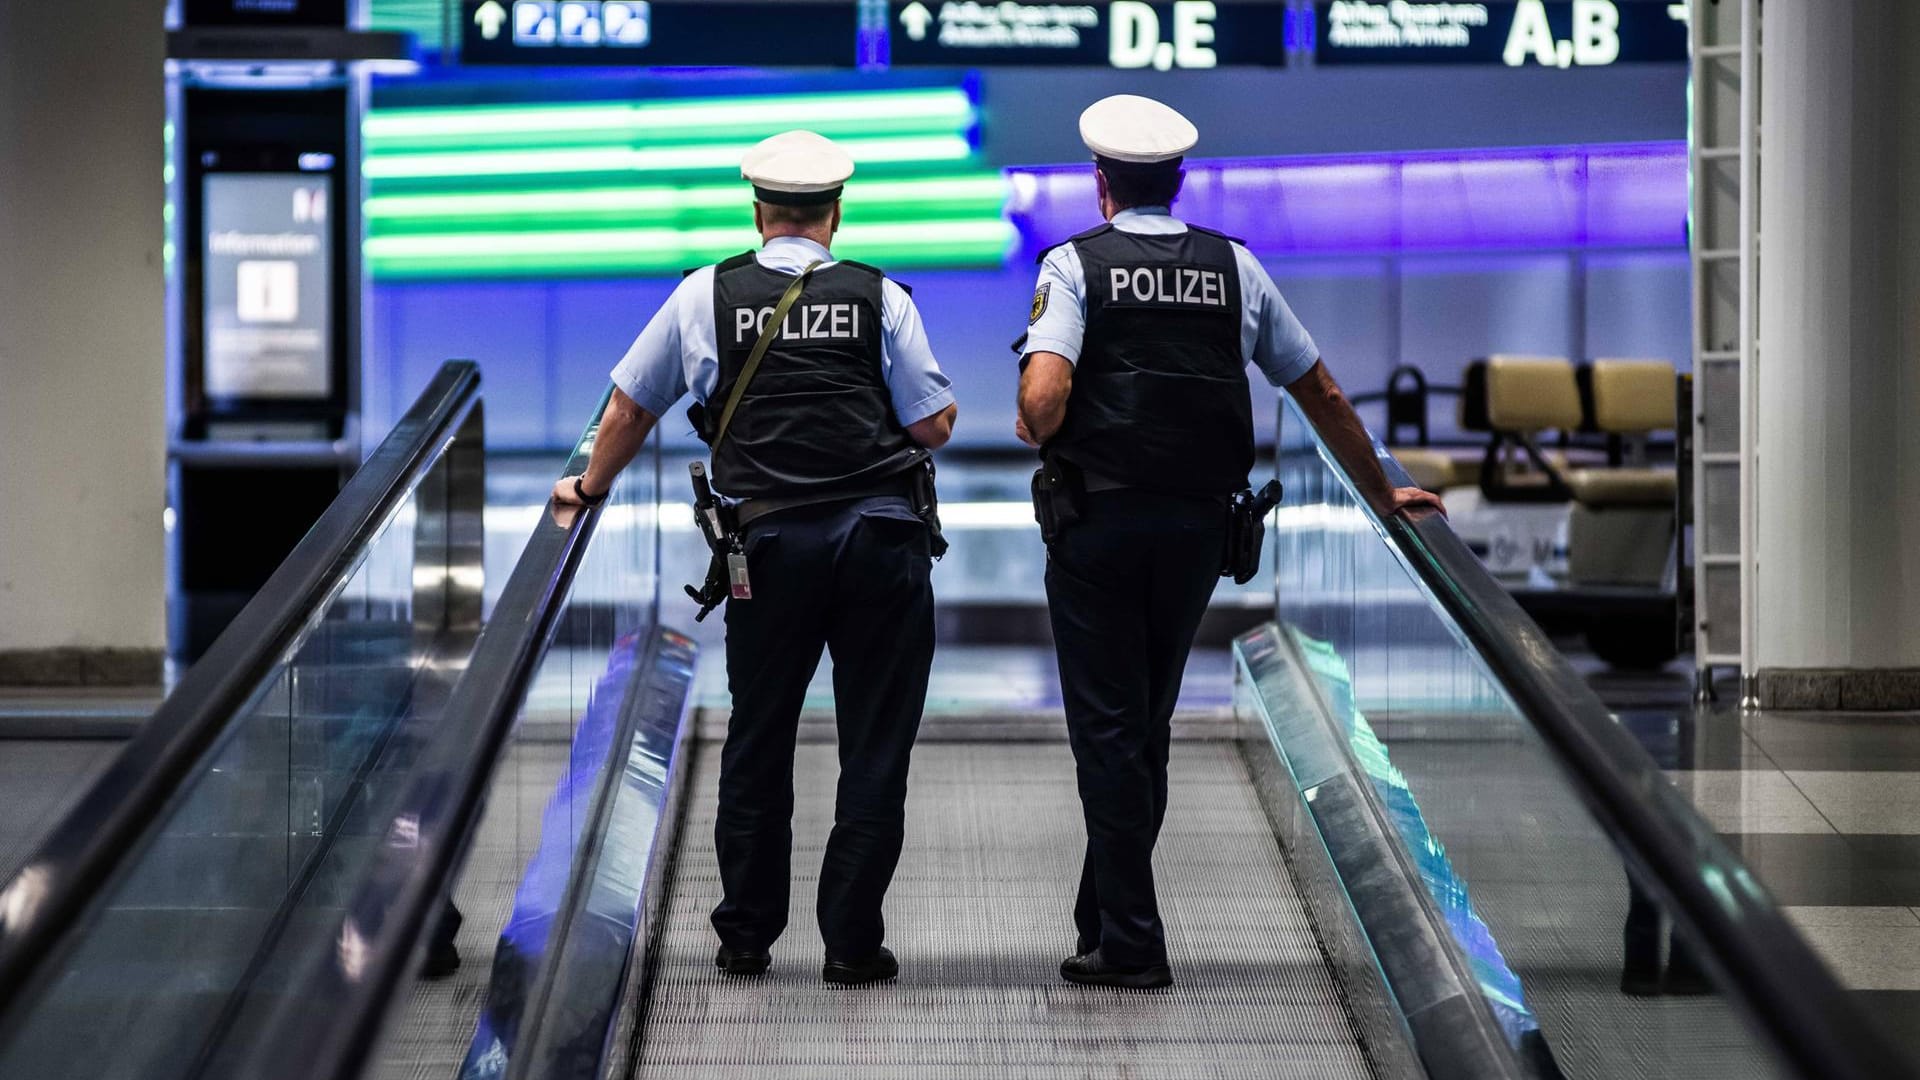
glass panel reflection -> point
(1504, 844)
(259, 843)
(540, 804)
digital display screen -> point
(266, 296)
(1129, 35)
(1515, 33)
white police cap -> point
(796, 168)
(1140, 130)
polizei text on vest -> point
(804, 322)
(1166, 285)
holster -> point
(721, 530)
(1059, 496)
(1247, 531)
(923, 493)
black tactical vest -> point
(817, 415)
(1160, 397)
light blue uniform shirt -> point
(1270, 336)
(677, 351)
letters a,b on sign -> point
(1513, 33)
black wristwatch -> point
(590, 500)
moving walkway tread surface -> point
(429, 1037)
(980, 916)
(42, 778)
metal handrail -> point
(75, 862)
(433, 822)
(1764, 965)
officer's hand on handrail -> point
(564, 494)
(1407, 498)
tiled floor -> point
(1825, 808)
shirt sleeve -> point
(1270, 335)
(1057, 322)
(918, 387)
(654, 371)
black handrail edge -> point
(68, 868)
(1769, 970)
(433, 825)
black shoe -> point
(1092, 969)
(442, 960)
(742, 961)
(881, 967)
(1640, 984)
(1082, 946)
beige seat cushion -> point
(1438, 470)
(1466, 468)
(1623, 487)
(1431, 469)
(1526, 394)
(1631, 397)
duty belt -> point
(754, 509)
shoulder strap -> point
(876, 272)
(1203, 230)
(1086, 235)
(767, 334)
(858, 265)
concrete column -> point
(1838, 508)
(82, 343)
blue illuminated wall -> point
(1310, 167)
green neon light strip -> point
(718, 157)
(640, 251)
(941, 111)
(980, 196)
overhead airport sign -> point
(1183, 35)
(257, 13)
(1515, 33)
(612, 33)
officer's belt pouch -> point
(702, 422)
(1057, 495)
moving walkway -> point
(1414, 853)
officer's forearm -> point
(623, 431)
(1321, 398)
(934, 431)
(1045, 384)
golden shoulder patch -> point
(1039, 303)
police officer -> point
(1133, 384)
(845, 405)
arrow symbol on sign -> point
(915, 18)
(489, 18)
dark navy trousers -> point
(853, 578)
(1126, 588)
